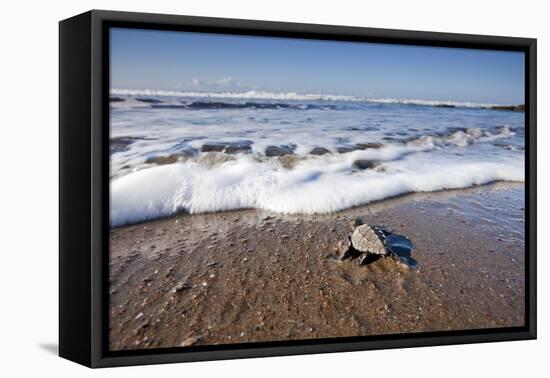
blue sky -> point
(146, 59)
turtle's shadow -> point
(402, 247)
(406, 258)
(370, 258)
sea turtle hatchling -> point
(369, 239)
(373, 240)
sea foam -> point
(318, 185)
(211, 154)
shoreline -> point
(252, 275)
(376, 204)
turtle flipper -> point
(382, 230)
(347, 254)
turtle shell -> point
(370, 239)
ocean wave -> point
(151, 152)
(210, 105)
(462, 137)
(318, 185)
(235, 95)
(165, 162)
(292, 96)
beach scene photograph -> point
(267, 189)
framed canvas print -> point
(233, 188)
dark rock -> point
(238, 147)
(365, 164)
(513, 108)
(393, 139)
(209, 147)
(344, 150)
(358, 146)
(148, 100)
(163, 160)
(319, 151)
(234, 105)
(228, 148)
(452, 130)
(120, 144)
(278, 151)
(167, 106)
(214, 105)
(365, 146)
(116, 99)
(444, 106)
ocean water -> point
(176, 152)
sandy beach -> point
(252, 275)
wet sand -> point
(253, 276)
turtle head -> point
(382, 230)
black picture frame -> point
(84, 187)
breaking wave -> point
(315, 186)
(342, 152)
(293, 96)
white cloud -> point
(223, 84)
(225, 81)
